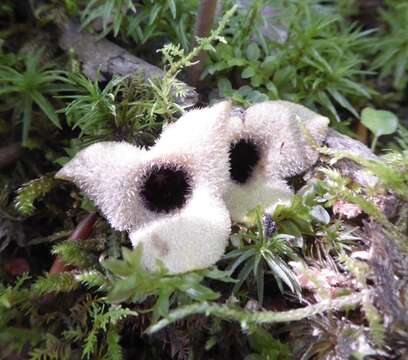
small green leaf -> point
(248, 72)
(270, 63)
(256, 80)
(320, 214)
(224, 87)
(154, 13)
(291, 228)
(173, 8)
(252, 51)
(236, 62)
(342, 101)
(46, 107)
(379, 122)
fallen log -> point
(388, 203)
(347, 167)
(106, 58)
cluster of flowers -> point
(210, 167)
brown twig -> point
(204, 22)
(81, 232)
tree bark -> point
(107, 58)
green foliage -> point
(177, 59)
(112, 14)
(97, 112)
(72, 254)
(247, 318)
(71, 6)
(127, 108)
(113, 348)
(164, 18)
(375, 322)
(131, 107)
(319, 61)
(32, 191)
(91, 323)
(304, 51)
(332, 241)
(361, 273)
(133, 283)
(104, 321)
(6, 8)
(53, 349)
(29, 86)
(390, 171)
(297, 218)
(142, 21)
(266, 347)
(260, 253)
(402, 138)
(12, 295)
(338, 188)
(379, 122)
(391, 46)
(91, 109)
(56, 283)
(93, 279)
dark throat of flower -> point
(166, 188)
(244, 155)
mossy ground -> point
(337, 256)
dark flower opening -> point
(166, 188)
(244, 156)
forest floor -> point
(323, 278)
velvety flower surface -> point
(269, 143)
(168, 198)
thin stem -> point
(374, 143)
(202, 42)
(204, 22)
(259, 317)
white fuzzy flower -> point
(168, 198)
(268, 144)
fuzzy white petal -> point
(278, 130)
(194, 238)
(267, 193)
(107, 172)
(276, 124)
(200, 136)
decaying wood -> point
(388, 203)
(107, 58)
(390, 267)
(347, 167)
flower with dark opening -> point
(169, 198)
(268, 143)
